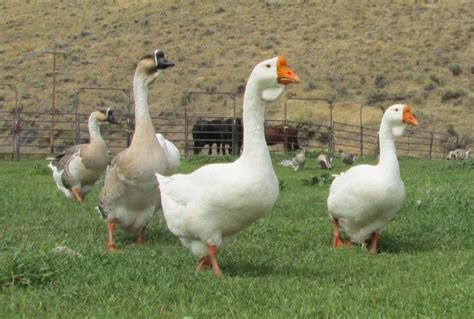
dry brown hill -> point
(348, 50)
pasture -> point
(283, 266)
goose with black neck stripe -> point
(207, 208)
(130, 195)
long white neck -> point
(255, 145)
(388, 153)
(94, 129)
(143, 123)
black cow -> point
(207, 132)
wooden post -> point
(186, 144)
(431, 145)
(16, 136)
(53, 104)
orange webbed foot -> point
(204, 263)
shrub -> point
(451, 94)
(430, 86)
(379, 81)
(439, 81)
(375, 96)
(455, 69)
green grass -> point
(282, 266)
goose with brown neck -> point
(77, 169)
(207, 208)
(363, 200)
(130, 195)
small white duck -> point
(130, 195)
(77, 169)
(207, 208)
(171, 152)
(364, 199)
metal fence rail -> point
(25, 133)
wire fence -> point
(194, 129)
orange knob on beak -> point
(408, 117)
(285, 75)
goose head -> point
(398, 116)
(272, 76)
(151, 65)
(102, 116)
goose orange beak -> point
(285, 75)
(408, 117)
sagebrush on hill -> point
(348, 50)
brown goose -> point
(130, 195)
(347, 158)
(79, 167)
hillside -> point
(348, 50)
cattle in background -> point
(276, 134)
(207, 132)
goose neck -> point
(253, 122)
(388, 153)
(143, 123)
(94, 129)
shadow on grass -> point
(153, 237)
(405, 244)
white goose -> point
(364, 199)
(207, 208)
(77, 169)
(130, 195)
(171, 152)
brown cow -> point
(276, 134)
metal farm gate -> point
(306, 122)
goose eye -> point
(396, 110)
(268, 66)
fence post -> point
(186, 144)
(285, 138)
(16, 135)
(235, 130)
(235, 137)
(76, 108)
(361, 141)
(431, 145)
(331, 139)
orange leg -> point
(111, 243)
(77, 194)
(373, 244)
(212, 250)
(204, 262)
(336, 235)
(337, 242)
(141, 237)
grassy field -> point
(281, 267)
